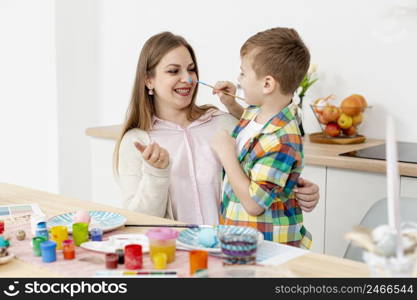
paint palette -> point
(105, 220)
(189, 238)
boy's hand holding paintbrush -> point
(225, 90)
(227, 94)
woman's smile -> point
(183, 91)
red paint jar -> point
(1, 226)
(133, 257)
(111, 260)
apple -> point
(344, 121)
(356, 120)
(331, 113)
(351, 131)
(332, 129)
(322, 119)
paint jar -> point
(238, 244)
(79, 233)
(163, 240)
(160, 260)
(198, 261)
(69, 249)
(48, 250)
(4, 242)
(58, 235)
(41, 230)
(120, 253)
(111, 260)
(36, 244)
(96, 234)
(133, 257)
(1, 226)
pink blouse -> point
(195, 175)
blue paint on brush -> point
(198, 81)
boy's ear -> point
(270, 84)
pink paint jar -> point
(163, 240)
(133, 257)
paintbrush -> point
(164, 225)
(206, 84)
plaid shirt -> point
(272, 160)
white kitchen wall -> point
(360, 46)
(28, 103)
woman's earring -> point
(150, 92)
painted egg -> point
(207, 237)
(20, 235)
(81, 216)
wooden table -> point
(310, 265)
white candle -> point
(393, 180)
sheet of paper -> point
(19, 211)
(271, 253)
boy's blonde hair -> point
(279, 52)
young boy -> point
(264, 156)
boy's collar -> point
(278, 121)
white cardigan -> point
(144, 187)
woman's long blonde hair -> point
(142, 108)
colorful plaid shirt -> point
(273, 161)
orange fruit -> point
(362, 100)
(352, 105)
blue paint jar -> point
(96, 234)
(41, 230)
(48, 250)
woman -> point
(163, 161)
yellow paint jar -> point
(162, 240)
(58, 235)
(160, 260)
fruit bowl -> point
(340, 121)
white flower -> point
(312, 69)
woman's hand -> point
(307, 194)
(154, 154)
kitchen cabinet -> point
(408, 187)
(349, 195)
(314, 221)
